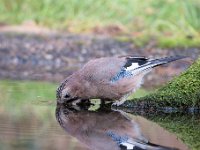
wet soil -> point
(54, 56)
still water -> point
(30, 119)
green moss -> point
(181, 91)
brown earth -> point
(52, 56)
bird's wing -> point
(127, 143)
(102, 69)
(135, 65)
(116, 68)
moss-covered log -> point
(182, 92)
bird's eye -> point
(66, 96)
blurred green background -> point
(171, 23)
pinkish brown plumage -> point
(111, 78)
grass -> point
(181, 91)
(178, 41)
(170, 22)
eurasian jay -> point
(115, 130)
(109, 78)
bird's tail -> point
(151, 63)
(165, 60)
(143, 146)
(160, 147)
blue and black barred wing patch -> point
(132, 63)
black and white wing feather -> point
(136, 65)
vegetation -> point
(183, 91)
(171, 23)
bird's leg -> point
(119, 102)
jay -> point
(108, 78)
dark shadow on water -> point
(109, 129)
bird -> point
(106, 129)
(109, 78)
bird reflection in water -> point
(106, 129)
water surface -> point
(27, 114)
(106, 129)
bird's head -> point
(66, 93)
